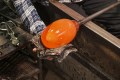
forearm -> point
(29, 16)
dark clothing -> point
(110, 19)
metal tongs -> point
(40, 48)
(56, 53)
(14, 39)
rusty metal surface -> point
(71, 69)
(8, 49)
(18, 67)
(99, 52)
(21, 67)
(2, 40)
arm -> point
(29, 16)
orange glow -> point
(59, 33)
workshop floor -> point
(52, 76)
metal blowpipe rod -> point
(98, 13)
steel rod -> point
(98, 13)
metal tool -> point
(10, 32)
(98, 13)
(86, 19)
(14, 39)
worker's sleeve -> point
(29, 16)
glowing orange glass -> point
(59, 33)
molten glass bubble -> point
(59, 33)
